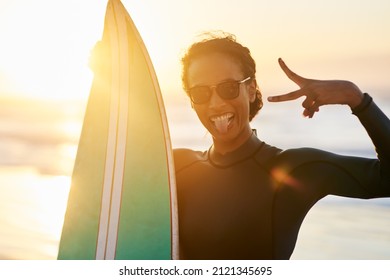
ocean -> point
(38, 144)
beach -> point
(38, 146)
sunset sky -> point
(45, 44)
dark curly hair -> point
(226, 44)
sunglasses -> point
(225, 90)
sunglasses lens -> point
(228, 90)
(200, 94)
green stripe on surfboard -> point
(145, 206)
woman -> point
(243, 198)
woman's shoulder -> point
(270, 155)
(186, 157)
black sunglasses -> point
(226, 90)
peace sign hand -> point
(319, 92)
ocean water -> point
(38, 143)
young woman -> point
(243, 198)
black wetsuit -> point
(249, 204)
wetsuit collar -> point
(251, 146)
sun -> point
(46, 46)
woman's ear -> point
(252, 90)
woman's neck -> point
(224, 147)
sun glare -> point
(45, 55)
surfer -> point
(246, 199)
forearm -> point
(377, 125)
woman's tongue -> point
(222, 123)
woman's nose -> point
(215, 99)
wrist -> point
(355, 99)
(364, 103)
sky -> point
(45, 44)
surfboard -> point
(122, 201)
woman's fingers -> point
(319, 92)
(286, 97)
(299, 80)
(311, 107)
(311, 102)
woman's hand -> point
(319, 93)
(100, 57)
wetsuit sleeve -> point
(377, 125)
(186, 157)
(318, 173)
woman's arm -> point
(366, 173)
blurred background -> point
(45, 81)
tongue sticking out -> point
(222, 125)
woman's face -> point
(226, 119)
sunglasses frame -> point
(210, 90)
